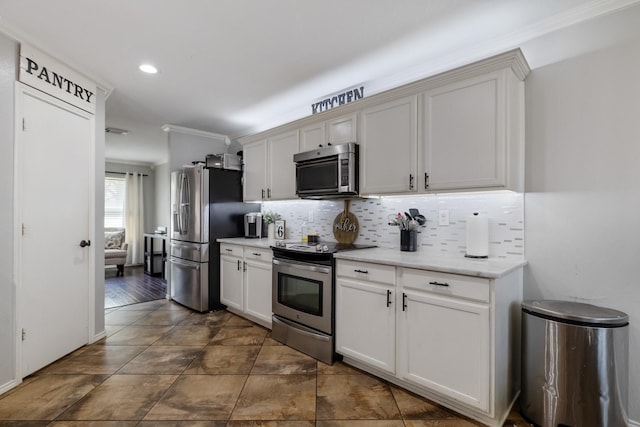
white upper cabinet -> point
(343, 129)
(312, 136)
(282, 169)
(456, 131)
(331, 132)
(388, 148)
(269, 171)
(463, 138)
(255, 171)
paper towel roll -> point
(477, 236)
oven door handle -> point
(303, 266)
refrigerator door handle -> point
(185, 205)
(190, 264)
(178, 206)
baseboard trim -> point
(8, 386)
(98, 337)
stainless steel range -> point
(303, 296)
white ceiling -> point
(235, 67)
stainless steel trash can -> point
(574, 364)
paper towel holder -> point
(475, 256)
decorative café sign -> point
(337, 99)
(44, 73)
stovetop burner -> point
(320, 247)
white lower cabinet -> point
(443, 344)
(231, 280)
(444, 336)
(366, 322)
(257, 287)
(245, 282)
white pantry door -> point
(54, 149)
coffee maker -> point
(253, 225)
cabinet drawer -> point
(367, 271)
(258, 254)
(473, 288)
(233, 250)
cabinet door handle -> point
(410, 181)
(239, 265)
(228, 250)
(439, 284)
(244, 267)
(404, 301)
(268, 193)
(388, 297)
(256, 254)
(263, 194)
(361, 271)
(426, 180)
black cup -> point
(408, 240)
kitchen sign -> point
(338, 99)
(45, 73)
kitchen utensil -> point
(414, 212)
(420, 218)
(345, 226)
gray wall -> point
(149, 189)
(582, 201)
(8, 72)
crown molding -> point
(195, 132)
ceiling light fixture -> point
(148, 68)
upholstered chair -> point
(115, 249)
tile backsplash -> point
(504, 209)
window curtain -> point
(134, 217)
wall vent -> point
(116, 131)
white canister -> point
(477, 236)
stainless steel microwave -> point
(328, 172)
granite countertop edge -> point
(490, 268)
(262, 243)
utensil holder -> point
(408, 240)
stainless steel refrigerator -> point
(206, 204)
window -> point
(114, 190)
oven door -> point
(302, 292)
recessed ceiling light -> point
(148, 68)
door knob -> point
(84, 243)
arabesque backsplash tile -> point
(504, 209)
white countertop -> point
(254, 243)
(490, 268)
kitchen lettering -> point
(55, 79)
(336, 100)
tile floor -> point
(163, 365)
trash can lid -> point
(576, 312)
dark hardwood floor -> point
(132, 288)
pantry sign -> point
(45, 73)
